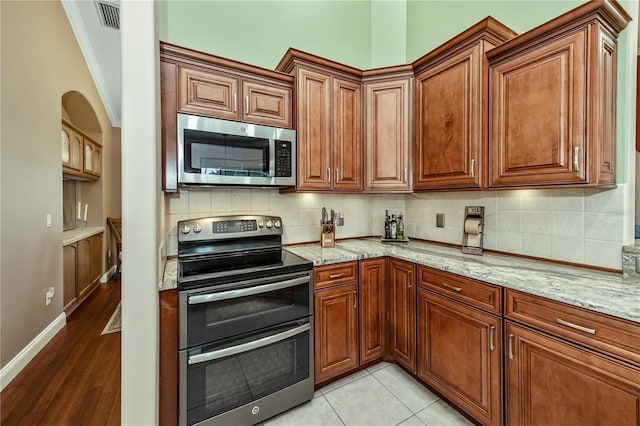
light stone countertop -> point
(73, 235)
(604, 292)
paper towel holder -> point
(473, 230)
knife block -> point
(327, 236)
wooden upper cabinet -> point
(328, 118)
(347, 135)
(266, 104)
(387, 117)
(81, 155)
(313, 119)
(553, 101)
(451, 111)
(206, 93)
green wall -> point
(260, 32)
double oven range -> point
(245, 321)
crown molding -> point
(79, 30)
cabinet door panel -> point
(539, 115)
(266, 104)
(347, 135)
(70, 277)
(387, 135)
(206, 93)
(448, 123)
(373, 307)
(402, 313)
(314, 134)
(459, 354)
(96, 257)
(84, 266)
(543, 374)
(336, 336)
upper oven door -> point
(213, 151)
(218, 312)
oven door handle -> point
(233, 294)
(246, 347)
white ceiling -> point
(100, 46)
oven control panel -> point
(224, 227)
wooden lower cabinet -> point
(459, 354)
(372, 297)
(336, 330)
(82, 269)
(402, 313)
(553, 382)
(168, 358)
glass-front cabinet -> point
(81, 156)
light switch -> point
(48, 220)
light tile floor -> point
(383, 395)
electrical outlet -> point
(50, 293)
(440, 220)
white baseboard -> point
(107, 275)
(15, 366)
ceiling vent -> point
(109, 14)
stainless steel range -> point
(245, 318)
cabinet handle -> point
(332, 276)
(235, 102)
(576, 326)
(511, 346)
(458, 289)
(355, 299)
(492, 330)
(576, 154)
(337, 175)
(246, 104)
(473, 167)
(406, 175)
(329, 174)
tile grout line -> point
(396, 397)
(334, 410)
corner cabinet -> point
(81, 155)
(202, 84)
(388, 100)
(552, 97)
(328, 123)
(451, 110)
(373, 309)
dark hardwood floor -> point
(75, 379)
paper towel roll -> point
(473, 229)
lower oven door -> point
(217, 312)
(249, 378)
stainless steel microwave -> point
(212, 151)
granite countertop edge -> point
(604, 292)
(74, 235)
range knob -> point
(277, 223)
(269, 223)
(261, 224)
(185, 229)
(197, 228)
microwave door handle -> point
(234, 294)
(246, 347)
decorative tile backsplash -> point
(576, 225)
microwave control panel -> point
(283, 159)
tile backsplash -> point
(583, 226)
(300, 212)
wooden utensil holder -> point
(327, 236)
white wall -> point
(140, 208)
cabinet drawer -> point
(326, 276)
(612, 335)
(475, 293)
